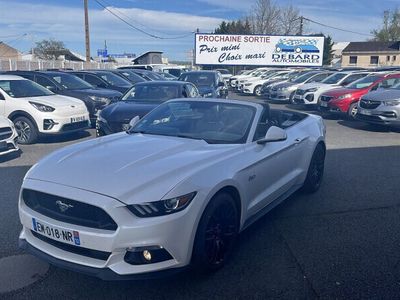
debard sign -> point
(260, 50)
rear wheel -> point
(26, 129)
(315, 170)
(351, 113)
(216, 234)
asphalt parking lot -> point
(341, 242)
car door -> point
(275, 167)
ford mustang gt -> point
(173, 191)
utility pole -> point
(87, 40)
(301, 25)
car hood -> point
(131, 168)
(313, 85)
(124, 111)
(385, 95)
(285, 84)
(342, 91)
(57, 101)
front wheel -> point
(315, 170)
(352, 111)
(257, 90)
(26, 129)
(216, 234)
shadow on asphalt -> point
(340, 242)
(66, 137)
(368, 127)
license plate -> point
(364, 111)
(56, 233)
(3, 146)
(324, 104)
(78, 119)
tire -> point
(257, 90)
(216, 234)
(27, 130)
(291, 101)
(351, 113)
(315, 171)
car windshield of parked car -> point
(396, 86)
(152, 92)
(113, 79)
(23, 88)
(213, 122)
(334, 78)
(363, 82)
(153, 76)
(71, 82)
(223, 71)
(199, 79)
(133, 77)
(304, 77)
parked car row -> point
(62, 101)
(371, 96)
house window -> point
(374, 60)
(394, 57)
(388, 58)
(353, 60)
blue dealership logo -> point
(297, 46)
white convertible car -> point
(173, 191)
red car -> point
(344, 100)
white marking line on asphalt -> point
(19, 271)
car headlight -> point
(104, 100)
(206, 95)
(392, 102)
(162, 207)
(42, 107)
(311, 90)
(345, 96)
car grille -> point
(75, 126)
(300, 92)
(96, 254)
(369, 104)
(79, 213)
(326, 98)
(5, 133)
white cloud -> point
(66, 24)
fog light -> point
(147, 255)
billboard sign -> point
(260, 50)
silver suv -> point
(380, 107)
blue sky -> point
(63, 20)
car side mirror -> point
(134, 121)
(274, 134)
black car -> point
(145, 74)
(132, 77)
(138, 101)
(104, 79)
(209, 83)
(69, 85)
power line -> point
(132, 20)
(138, 29)
(336, 28)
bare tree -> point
(289, 20)
(49, 49)
(265, 17)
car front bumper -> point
(280, 95)
(174, 233)
(54, 124)
(306, 99)
(381, 115)
(9, 145)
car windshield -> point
(396, 86)
(113, 79)
(304, 77)
(199, 79)
(71, 82)
(213, 122)
(23, 88)
(153, 76)
(152, 92)
(334, 78)
(363, 82)
(133, 77)
(223, 71)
